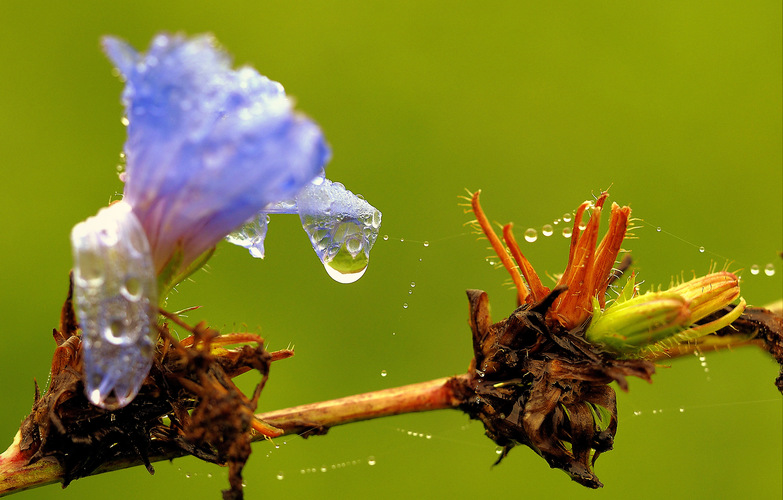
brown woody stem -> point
(315, 418)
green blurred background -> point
(675, 105)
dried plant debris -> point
(187, 405)
(541, 376)
(536, 384)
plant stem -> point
(316, 418)
(310, 419)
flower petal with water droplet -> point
(342, 227)
(115, 291)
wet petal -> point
(208, 147)
(115, 292)
(342, 227)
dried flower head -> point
(540, 377)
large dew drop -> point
(251, 235)
(342, 228)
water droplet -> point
(754, 269)
(404, 305)
(251, 235)
(383, 373)
(371, 461)
(323, 469)
(280, 475)
(682, 410)
(491, 262)
(394, 333)
(701, 249)
(385, 237)
(209, 475)
(498, 450)
(582, 226)
(402, 240)
(410, 292)
(637, 413)
(342, 228)
(124, 120)
(567, 217)
(426, 243)
(567, 232)
(413, 284)
(132, 289)
(547, 230)
(344, 278)
(658, 229)
(187, 476)
(428, 436)
(769, 269)
(531, 235)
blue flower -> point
(208, 147)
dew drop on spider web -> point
(769, 269)
(531, 235)
(547, 230)
(754, 269)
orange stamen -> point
(537, 290)
(497, 246)
(574, 306)
(606, 255)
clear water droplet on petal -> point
(342, 228)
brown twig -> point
(306, 420)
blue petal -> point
(208, 147)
